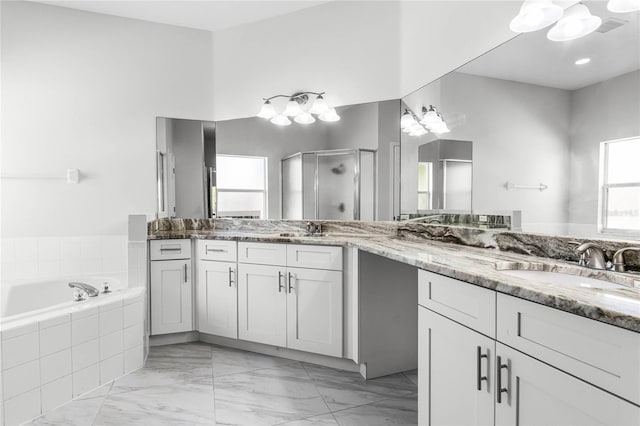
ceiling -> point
(211, 15)
(532, 58)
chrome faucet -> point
(89, 289)
(618, 258)
(314, 228)
(591, 256)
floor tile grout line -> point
(258, 369)
(95, 419)
(315, 386)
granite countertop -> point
(478, 266)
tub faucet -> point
(89, 289)
(591, 256)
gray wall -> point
(601, 112)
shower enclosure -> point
(333, 185)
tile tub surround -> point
(469, 255)
(28, 258)
(57, 356)
(198, 383)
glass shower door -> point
(336, 186)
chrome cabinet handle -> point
(207, 250)
(170, 249)
(499, 381)
(290, 277)
(480, 377)
(185, 272)
(280, 285)
(231, 281)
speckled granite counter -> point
(478, 266)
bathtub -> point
(55, 349)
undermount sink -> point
(563, 279)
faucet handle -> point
(618, 258)
(105, 287)
(79, 295)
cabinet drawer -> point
(224, 251)
(601, 354)
(262, 253)
(467, 304)
(169, 249)
(318, 257)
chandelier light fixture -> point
(570, 24)
(431, 121)
(299, 108)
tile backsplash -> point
(26, 258)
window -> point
(620, 190)
(425, 186)
(242, 186)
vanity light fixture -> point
(583, 61)
(535, 15)
(297, 107)
(576, 22)
(431, 121)
(623, 6)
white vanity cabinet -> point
(488, 358)
(284, 305)
(170, 286)
(217, 288)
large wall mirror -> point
(552, 128)
(343, 170)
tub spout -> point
(89, 289)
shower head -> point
(339, 169)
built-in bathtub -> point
(55, 349)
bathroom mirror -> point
(539, 115)
(185, 167)
(348, 169)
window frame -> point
(604, 186)
(265, 191)
(429, 192)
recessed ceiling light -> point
(583, 61)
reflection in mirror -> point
(324, 170)
(185, 163)
(539, 123)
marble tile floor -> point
(202, 384)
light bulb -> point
(577, 22)
(623, 6)
(320, 106)
(293, 108)
(304, 118)
(267, 110)
(330, 116)
(535, 15)
(281, 120)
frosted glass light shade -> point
(418, 131)
(293, 108)
(623, 6)
(281, 120)
(304, 118)
(407, 120)
(577, 22)
(441, 128)
(431, 119)
(267, 110)
(320, 106)
(535, 15)
(330, 116)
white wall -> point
(440, 36)
(601, 112)
(348, 49)
(82, 90)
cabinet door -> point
(537, 394)
(314, 311)
(262, 304)
(455, 373)
(217, 298)
(171, 299)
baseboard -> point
(173, 338)
(324, 360)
